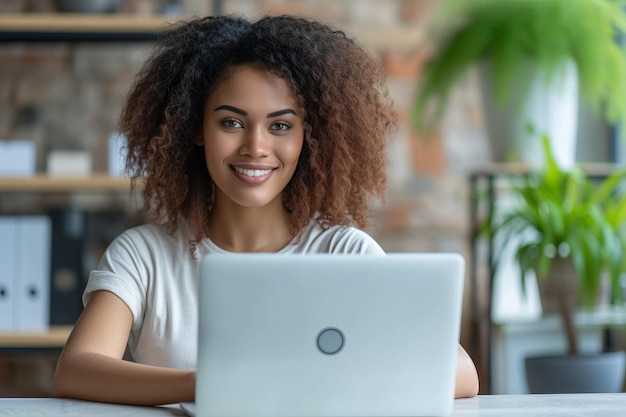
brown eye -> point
(231, 123)
(280, 126)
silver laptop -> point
(328, 335)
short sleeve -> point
(122, 272)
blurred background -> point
(64, 74)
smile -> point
(252, 172)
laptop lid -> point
(328, 335)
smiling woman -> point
(264, 136)
(252, 136)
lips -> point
(252, 172)
(252, 176)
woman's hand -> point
(466, 376)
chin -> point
(253, 203)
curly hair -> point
(340, 91)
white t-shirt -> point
(157, 277)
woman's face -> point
(252, 136)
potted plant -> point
(535, 59)
(573, 230)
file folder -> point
(32, 277)
(67, 265)
(7, 271)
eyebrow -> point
(245, 113)
(281, 112)
(231, 108)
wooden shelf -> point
(55, 337)
(51, 184)
(76, 22)
(593, 169)
(71, 27)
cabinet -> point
(488, 187)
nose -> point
(256, 143)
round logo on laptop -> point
(330, 340)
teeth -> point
(252, 172)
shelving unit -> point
(71, 28)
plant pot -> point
(548, 103)
(561, 285)
(559, 374)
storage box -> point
(69, 163)
(17, 158)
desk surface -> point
(542, 405)
(566, 405)
(55, 407)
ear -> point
(199, 140)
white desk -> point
(570, 405)
(55, 407)
(542, 405)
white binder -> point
(7, 271)
(32, 277)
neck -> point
(241, 229)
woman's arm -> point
(466, 376)
(91, 365)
